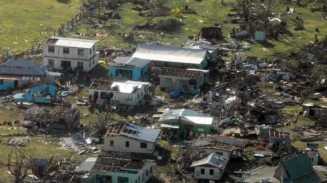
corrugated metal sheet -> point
(143, 134)
(122, 60)
(128, 86)
(186, 115)
(124, 87)
(170, 54)
(199, 120)
(138, 62)
(87, 165)
(74, 44)
(22, 68)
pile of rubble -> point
(17, 142)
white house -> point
(127, 92)
(211, 167)
(125, 137)
(70, 53)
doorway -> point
(65, 65)
(15, 83)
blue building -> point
(17, 73)
(169, 56)
(129, 68)
(149, 57)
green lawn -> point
(22, 22)
(211, 11)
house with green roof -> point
(298, 169)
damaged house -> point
(19, 73)
(129, 68)
(168, 56)
(116, 168)
(211, 167)
(181, 79)
(185, 123)
(126, 92)
(62, 53)
(58, 117)
(314, 111)
(225, 146)
(297, 169)
(126, 137)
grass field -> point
(211, 11)
(22, 22)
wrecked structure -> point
(21, 73)
(184, 80)
(185, 123)
(126, 92)
(116, 168)
(126, 137)
(228, 147)
(59, 117)
(130, 68)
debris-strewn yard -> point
(174, 91)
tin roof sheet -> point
(170, 54)
(74, 42)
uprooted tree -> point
(19, 162)
(243, 8)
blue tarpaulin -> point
(175, 93)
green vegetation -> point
(22, 22)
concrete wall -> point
(73, 52)
(87, 64)
(177, 83)
(134, 145)
(215, 176)
(7, 84)
(90, 58)
(142, 176)
(125, 98)
(136, 73)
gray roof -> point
(212, 159)
(87, 165)
(170, 54)
(137, 62)
(122, 60)
(186, 115)
(22, 68)
(142, 133)
(128, 86)
(259, 174)
(74, 42)
(230, 140)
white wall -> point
(87, 64)
(120, 145)
(73, 57)
(133, 99)
(73, 52)
(206, 175)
